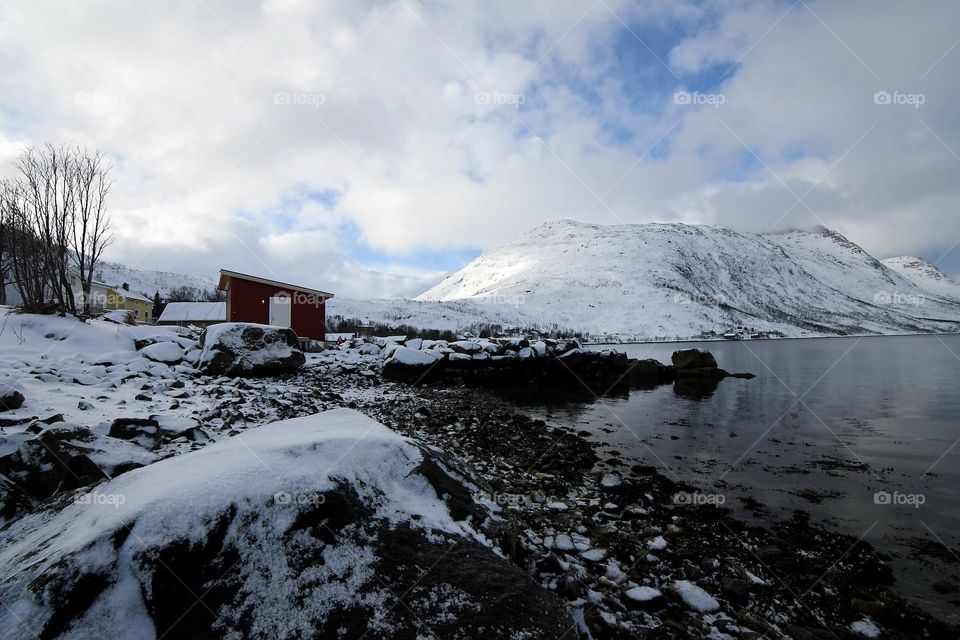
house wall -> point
(249, 301)
(144, 310)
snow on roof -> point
(194, 312)
(132, 295)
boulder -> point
(143, 431)
(356, 531)
(60, 458)
(165, 352)
(242, 349)
(10, 399)
(10, 396)
(693, 359)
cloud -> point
(440, 126)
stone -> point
(237, 349)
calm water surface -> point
(826, 426)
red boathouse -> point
(254, 299)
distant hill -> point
(149, 282)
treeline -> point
(339, 324)
(54, 227)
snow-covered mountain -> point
(149, 282)
(925, 275)
(655, 281)
(675, 280)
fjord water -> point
(862, 433)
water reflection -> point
(826, 426)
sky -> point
(371, 147)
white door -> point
(280, 311)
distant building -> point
(105, 297)
(264, 301)
(200, 314)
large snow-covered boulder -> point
(245, 349)
(166, 352)
(318, 527)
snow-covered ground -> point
(143, 483)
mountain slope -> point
(675, 280)
(925, 275)
(149, 282)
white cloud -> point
(215, 112)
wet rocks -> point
(693, 359)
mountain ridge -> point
(659, 280)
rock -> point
(642, 598)
(693, 359)
(298, 552)
(144, 431)
(694, 597)
(611, 480)
(735, 587)
(239, 349)
(10, 396)
(165, 352)
(60, 458)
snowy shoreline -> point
(612, 542)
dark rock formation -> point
(238, 349)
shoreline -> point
(775, 339)
(752, 569)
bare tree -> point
(25, 256)
(90, 224)
(4, 247)
(56, 206)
